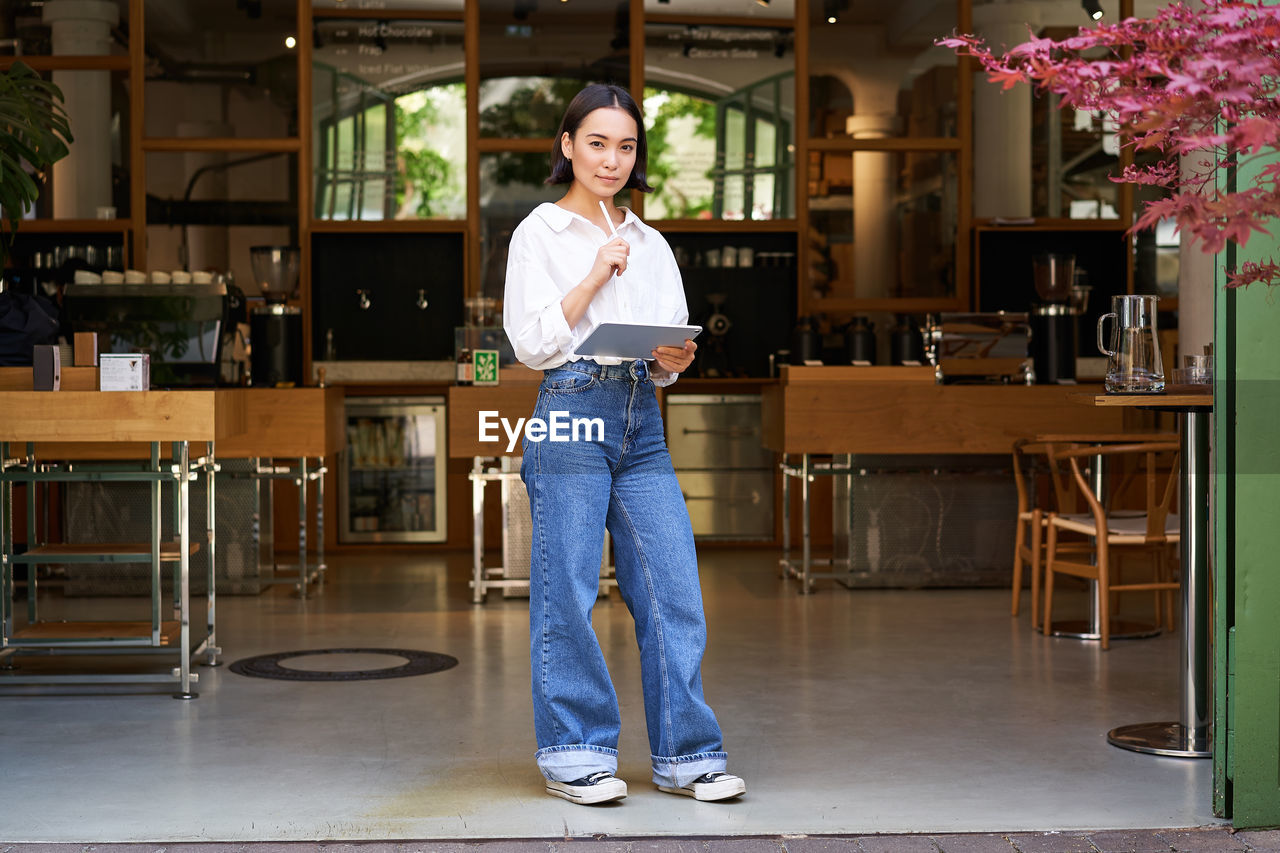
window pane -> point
(511, 185)
(719, 109)
(94, 176)
(886, 74)
(1074, 155)
(211, 207)
(101, 31)
(226, 71)
(535, 58)
(390, 120)
(722, 8)
(393, 5)
(889, 230)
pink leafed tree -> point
(1193, 82)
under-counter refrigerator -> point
(392, 477)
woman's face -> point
(603, 151)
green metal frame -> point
(1246, 783)
(28, 470)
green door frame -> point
(1246, 554)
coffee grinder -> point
(275, 329)
(1053, 320)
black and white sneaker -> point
(711, 786)
(602, 787)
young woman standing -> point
(568, 270)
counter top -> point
(383, 372)
(810, 413)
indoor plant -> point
(1196, 83)
(36, 132)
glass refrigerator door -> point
(394, 473)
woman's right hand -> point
(611, 259)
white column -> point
(875, 245)
(1002, 118)
(82, 179)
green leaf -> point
(37, 132)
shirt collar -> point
(558, 219)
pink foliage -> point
(1200, 83)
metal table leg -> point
(785, 563)
(184, 571)
(477, 530)
(1189, 737)
(210, 516)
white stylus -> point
(608, 218)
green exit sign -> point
(484, 364)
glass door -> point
(393, 470)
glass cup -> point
(1195, 370)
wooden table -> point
(295, 430)
(901, 410)
(513, 399)
(78, 417)
(1189, 737)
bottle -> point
(464, 366)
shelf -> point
(92, 552)
(388, 226)
(183, 144)
(87, 632)
(1046, 224)
(892, 143)
(702, 226)
(58, 226)
(68, 63)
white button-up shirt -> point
(551, 252)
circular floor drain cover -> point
(416, 663)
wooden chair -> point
(1029, 537)
(1153, 532)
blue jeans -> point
(624, 482)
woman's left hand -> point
(675, 359)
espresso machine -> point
(1055, 317)
(275, 329)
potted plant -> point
(36, 133)
(1196, 83)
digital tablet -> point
(634, 340)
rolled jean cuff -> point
(567, 763)
(682, 769)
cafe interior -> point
(281, 594)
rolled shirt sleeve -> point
(531, 313)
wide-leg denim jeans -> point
(623, 481)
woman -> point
(566, 274)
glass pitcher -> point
(1133, 359)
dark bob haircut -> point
(590, 99)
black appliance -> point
(275, 355)
(860, 341)
(275, 329)
(906, 342)
(179, 325)
(1055, 318)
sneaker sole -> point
(711, 792)
(591, 796)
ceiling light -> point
(290, 42)
(764, 3)
(1093, 8)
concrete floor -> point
(848, 712)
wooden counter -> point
(832, 410)
(121, 416)
(248, 422)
